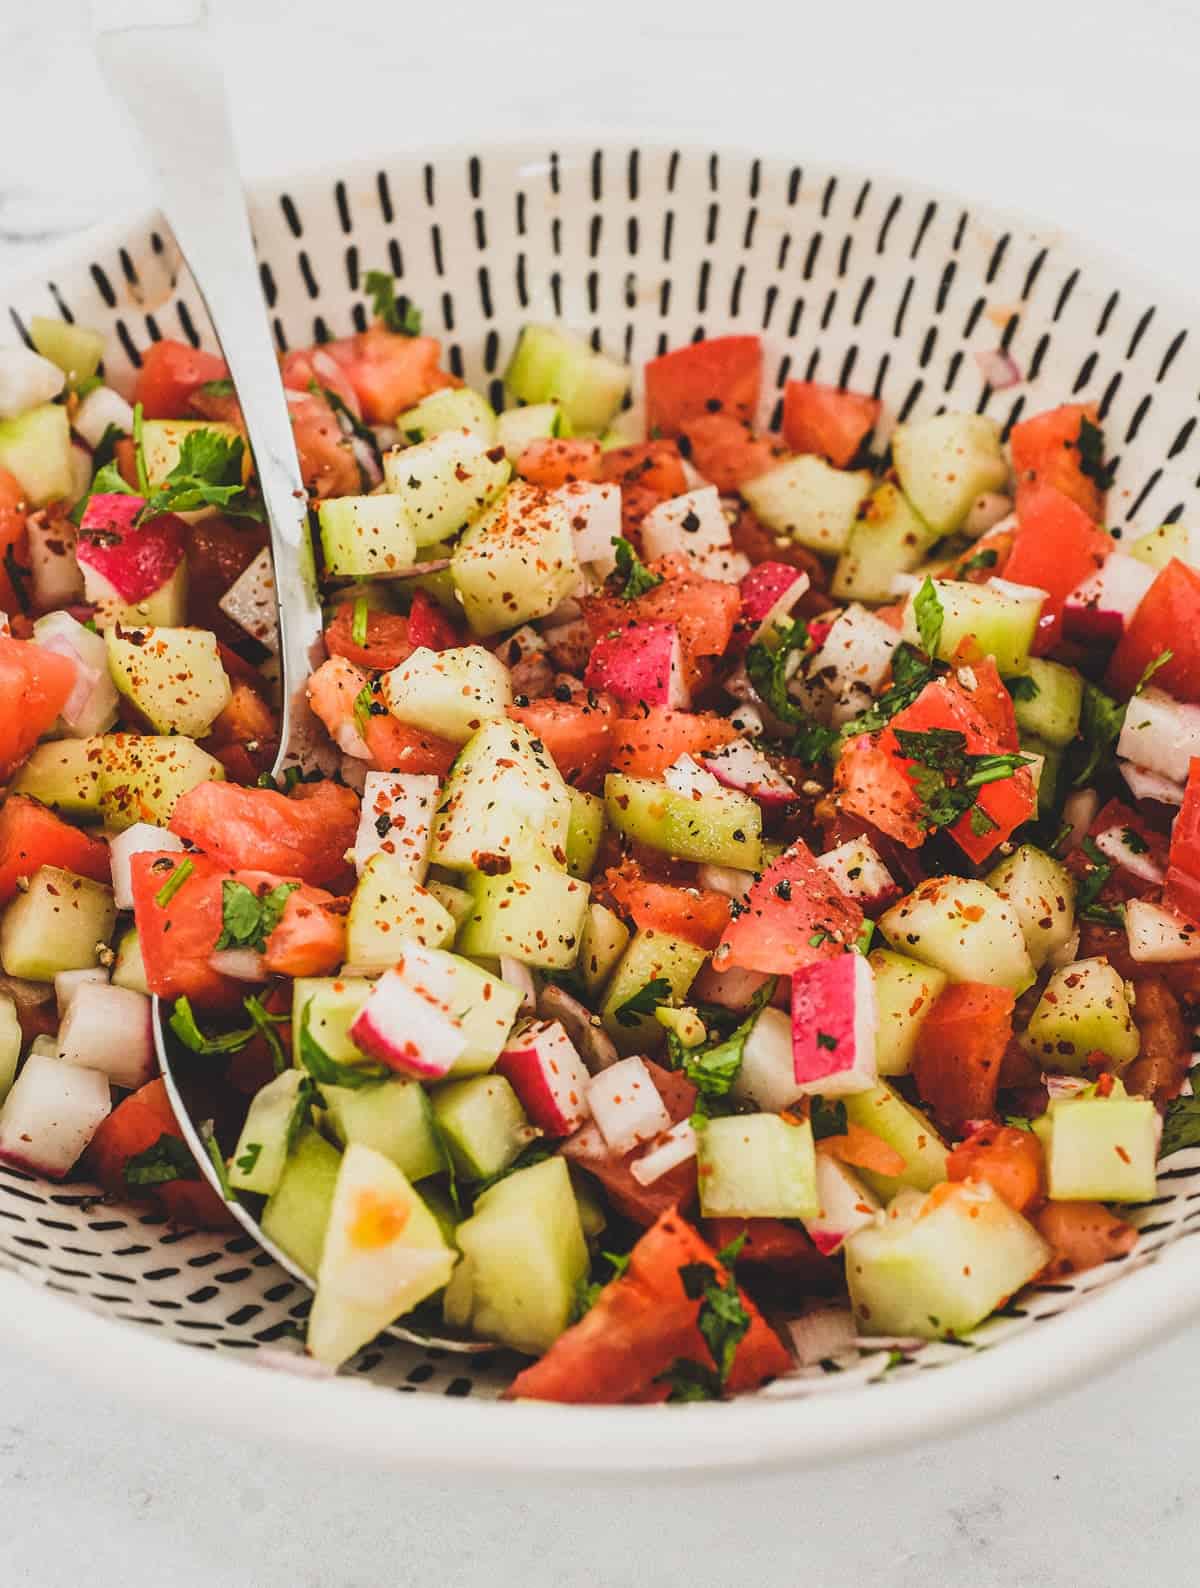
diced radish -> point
(100, 410)
(91, 706)
(68, 982)
(1145, 785)
(543, 1068)
(240, 964)
(740, 765)
(52, 1112)
(396, 819)
(672, 1149)
(1079, 810)
(626, 1105)
(725, 564)
(1099, 608)
(407, 1024)
(728, 880)
(998, 369)
(853, 660)
(141, 838)
(834, 1021)
(767, 1076)
(1160, 734)
(769, 592)
(846, 1205)
(692, 525)
(123, 564)
(108, 1029)
(821, 1333)
(1122, 845)
(250, 601)
(860, 873)
(639, 665)
(595, 514)
(26, 380)
(1158, 936)
(56, 575)
(687, 776)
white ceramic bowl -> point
(851, 279)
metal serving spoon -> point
(164, 71)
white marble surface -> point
(1084, 114)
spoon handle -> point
(169, 80)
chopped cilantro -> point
(396, 313)
(264, 1022)
(828, 1117)
(1023, 688)
(247, 918)
(106, 447)
(168, 1159)
(981, 823)
(987, 558)
(633, 571)
(812, 742)
(1151, 668)
(1018, 1122)
(217, 1158)
(107, 481)
(207, 473)
(713, 1067)
(910, 673)
(1092, 884)
(307, 1094)
(824, 1040)
(1181, 1124)
(947, 777)
(927, 609)
(817, 939)
(183, 1023)
(139, 451)
(1091, 454)
(587, 1292)
(217, 388)
(1134, 841)
(1100, 724)
(644, 1002)
(251, 1153)
(173, 883)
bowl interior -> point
(850, 279)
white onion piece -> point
(686, 776)
(988, 511)
(250, 601)
(367, 462)
(519, 976)
(822, 1333)
(108, 1029)
(1161, 734)
(26, 380)
(99, 410)
(1115, 845)
(1158, 936)
(1080, 810)
(626, 1105)
(747, 720)
(728, 880)
(1066, 953)
(676, 1146)
(68, 982)
(1144, 785)
(594, 1045)
(1060, 1086)
(140, 839)
(240, 964)
(52, 1112)
(56, 576)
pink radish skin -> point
(640, 665)
(770, 590)
(123, 563)
(834, 1020)
(408, 1027)
(543, 1068)
(626, 1105)
(52, 1112)
(740, 766)
(1100, 607)
(108, 1029)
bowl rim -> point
(211, 1386)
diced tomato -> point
(636, 502)
(983, 689)
(863, 1149)
(655, 465)
(388, 372)
(828, 421)
(703, 610)
(645, 746)
(959, 1048)
(550, 462)
(32, 836)
(304, 367)
(328, 466)
(428, 625)
(773, 1244)
(177, 938)
(628, 1197)
(138, 1123)
(577, 733)
(387, 643)
(14, 539)
(795, 914)
(170, 373)
(726, 451)
(310, 939)
(1083, 1235)
(1009, 1159)
(1045, 451)
(723, 375)
(398, 747)
(1168, 619)
(218, 550)
(245, 736)
(986, 558)
(1056, 547)
(641, 1325)
(305, 834)
(35, 685)
(870, 784)
(697, 915)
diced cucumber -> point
(1045, 770)
(393, 1117)
(333, 1003)
(129, 969)
(905, 992)
(945, 462)
(933, 1269)
(1001, 623)
(883, 1111)
(524, 1255)
(1157, 546)
(584, 833)
(162, 442)
(650, 956)
(297, 1216)
(517, 427)
(757, 1166)
(143, 775)
(888, 537)
(445, 482)
(261, 1151)
(452, 408)
(1083, 1009)
(1053, 712)
(387, 909)
(450, 693)
(447, 1215)
(721, 827)
(366, 535)
(36, 448)
(64, 774)
(76, 350)
(1042, 892)
(504, 797)
(550, 364)
(532, 912)
(61, 922)
(602, 941)
(517, 562)
(455, 901)
(173, 676)
(809, 501)
(482, 1123)
(1099, 1149)
(10, 1044)
(962, 927)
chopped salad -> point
(754, 877)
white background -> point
(1083, 114)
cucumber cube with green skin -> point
(938, 1270)
(1084, 1009)
(129, 969)
(36, 448)
(162, 442)
(173, 676)
(1042, 892)
(484, 1006)
(455, 901)
(721, 827)
(945, 462)
(76, 350)
(366, 535)
(1053, 712)
(517, 562)
(482, 1123)
(888, 537)
(584, 833)
(1003, 624)
(1158, 546)
(297, 1215)
(142, 776)
(451, 693)
(905, 992)
(517, 427)
(809, 501)
(962, 927)
(10, 1044)
(524, 1255)
(388, 909)
(61, 922)
(890, 1117)
(504, 798)
(383, 1253)
(261, 1151)
(393, 1117)
(602, 941)
(445, 482)
(333, 1004)
(757, 1166)
(64, 774)
(1100, 1149)
(533, 912)
(651, 956)
(550, 364)
(453, 408)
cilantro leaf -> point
(168, 1159)
(107, 481)
(247, 918)
(1091, 454)
(987, 558)
(139, 450)
(910, 673)
(329, 1072)
(1181, 1124)
(713, 1067)
(638, 578)
(828, 1117)
(183, 1023)
(1022, 688)
(644, 1002)
(207, 473)
(106, 448)
(930, 616)
(1151, 668)
(1092, 884)
(587, 1292)
(767, 668)
(217, 1158)
(722, 1320)
(358, 624)
(307, 1094)
(263, 1022)
(813, 741)
(690, 1381)
(174, 882)
(1100, 723)
(397, 313)
(251, 1153)
(947, 778)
